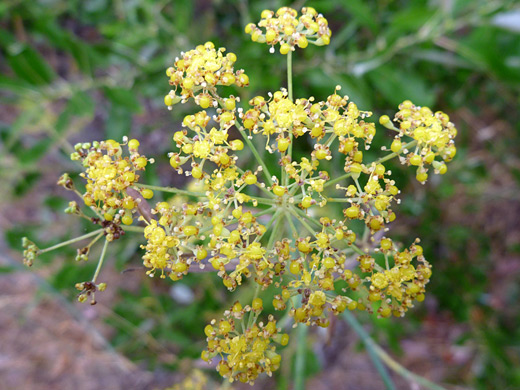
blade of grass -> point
(379, 356)
(369, 344)
(299, 364)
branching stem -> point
(259, 159)
(172, 190)
(379, 161)
(100, 262)
(71, 241)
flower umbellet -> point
(285, 28)
(296, 230)
(248, 350)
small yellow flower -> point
(288, 30)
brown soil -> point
(47, 343)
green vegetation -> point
(74, 71)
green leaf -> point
(34, 153)
(357, 90)
(29, 65)
(57, 36)
(16, 129)
(26, 183)
(13, 237)
(123, 97)
(489, 49)
(411, 19)
(183, 11)
(56, 203)
(397, 85)
(363, 14)
(81, 104)
(82, 52)
(6, 38)
(323, 85)
(119, 122)
(440, 57)
(7, 269)
(16, 86)
(71, 273)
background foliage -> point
(75, 71)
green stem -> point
(274, 233)
(135, 229)
(302, 217)
(272, 238)
(234, 220)
(291, 224)
(290, 92)
(356, 249)
(360, 190)
(100, 262)
(369, 344)
(263, 200)
(379, 355)
(226, 385)
(297, 187)
(263, 189)
(284, 177)
(259, 159)
(299, 364)
(302, 220)
(90, 207)
(379, 161)
(264, 212)
(343, 200)
(252, 316)
(302, 214)
(71, 241)
(95, 240)
(171, 190)
(244, 135)
(269, 224)
(289, 75)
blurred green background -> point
(74, 71)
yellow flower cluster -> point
(434, 135)
(169, 240)
(314, 235)
(281, 118)
(199, 71)
(399, 285)
(109, 175)
(315, 263)
(202, 144)
(172, 239)
(378, 192)
(390, 288)
(247, 350)
(285, 28)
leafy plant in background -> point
(298, 230)
(105, 59)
